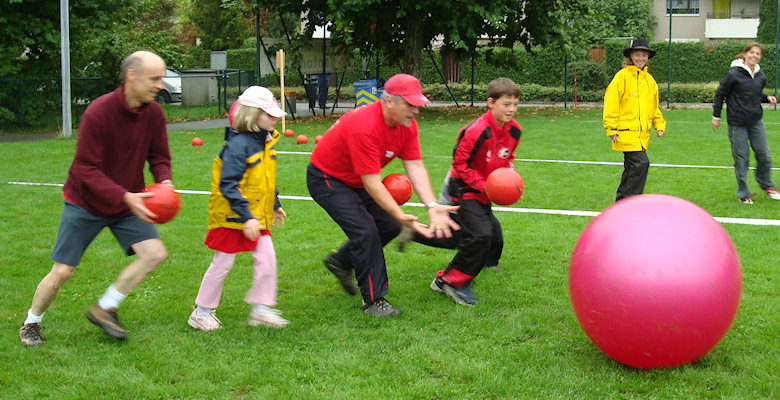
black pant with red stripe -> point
(368, 228)
(477, 225)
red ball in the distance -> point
(504, 186)
(399, 187)
(302, 139)
(317, 139)
(165, 202)
(289, 133)
(196, 141)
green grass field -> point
(521, 341)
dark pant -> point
(496, 240)
(635, 166)
(756, 135)
(368, 228)
(477, 225)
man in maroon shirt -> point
(119, 132)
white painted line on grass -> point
(576, 213)
(615, 163)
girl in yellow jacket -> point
(242, 207)
(630, 110)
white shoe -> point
(772, 193)
(270, 317)
(208, 322)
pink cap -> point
(262, 98)
(408, 87)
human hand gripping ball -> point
(165, 202)
(504, 186)
(399, 187)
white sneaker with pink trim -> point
(772, 193)
(269, 317)
(208, 322)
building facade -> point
(706, 20)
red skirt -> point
(229, 240)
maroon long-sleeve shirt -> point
(114, 143)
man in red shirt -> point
(119, 133)
(344, 179)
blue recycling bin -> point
(366, 92)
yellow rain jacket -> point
(631, 109)
(243, 181)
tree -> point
(223, 24)
(767, 15)
(401, 30)
(620, 18)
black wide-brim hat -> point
(639, 44)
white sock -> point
(259, 308)
(111, 299)
(32, 318)
(203, 311)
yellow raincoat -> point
(631, 109)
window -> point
(682, 6)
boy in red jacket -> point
(482, 146)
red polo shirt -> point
(360, 143)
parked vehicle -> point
(172, 91)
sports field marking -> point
(576, 213)
(303, 153)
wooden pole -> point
(280, 65)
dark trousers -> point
(635, 166)
(496, 240)
(477, 224)
(368, 228)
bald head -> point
(142, 74)
(138, 62)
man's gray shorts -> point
(78, 228)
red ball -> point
(504, 186)
(399, 187)
(654, 281)
(196, 141)
(232, 111)
(302, 139)
(317, 139)
(165, 202)
(289, 133)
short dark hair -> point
(502, 86)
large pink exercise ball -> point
(655, 281)
(231, 112)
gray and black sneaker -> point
(30, 335)
(406, 236)
(108, 321)
(437, 285)
(461, 295)
(381, 308)
(343, 274)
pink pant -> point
(263, 290)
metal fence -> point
(37, 102)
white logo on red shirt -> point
(389, 154)
(503, 152)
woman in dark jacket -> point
(742, 88)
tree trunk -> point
(413, 50)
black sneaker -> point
(381, 308)
(108, 321)
(344, 275)
(461, 295)
(437, 285)
(30, 335)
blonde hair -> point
(245, 118)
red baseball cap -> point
(408, 87)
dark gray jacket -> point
(743, 94)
